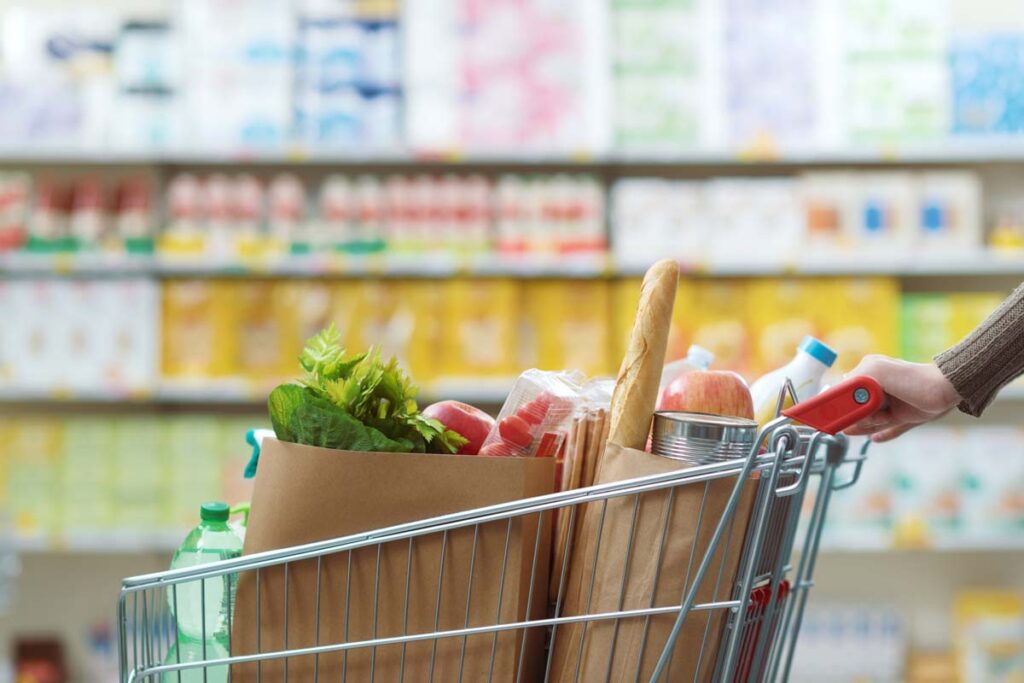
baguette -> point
(636, 387)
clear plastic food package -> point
(535, 419)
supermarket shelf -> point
(242, 394)
(113, 542)
(971, 263)
(1012, 544)
(982, 150)
(328, 265)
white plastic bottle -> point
(697, 358)
(805, 371)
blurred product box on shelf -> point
(565, 325)
(239, 57)
(523, 78)
(890, 69)
(660, 75)
(793, 221)
(348, 85)
(989, 635)
(985, 69)
(197, 331)
(769, 75)
(781, 313)
(70, 336)
(861, 316)
(936, 487)
(480, 337)
(932, 322)
(405, 318)
(720, 322)
(96, 479)
(834, 638)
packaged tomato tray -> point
(535, 418)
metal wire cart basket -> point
(731, 612)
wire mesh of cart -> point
(711, 623)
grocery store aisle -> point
(82, 588)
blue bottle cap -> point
(817, 350)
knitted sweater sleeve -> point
(989, 357)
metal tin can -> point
(700, 439)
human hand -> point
(916, 393)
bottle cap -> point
(817, 350)
(700, 356)
(214, 511)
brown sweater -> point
(989, 357)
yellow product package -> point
(680, 336)
(401, 317)
(197, 329)
(33, 474)
(625, 295)
(420, 303)
(262, 352)
(926, 324)
(479, 335)
(861, 316)
(720, 320)
(782, 313)
(625, 298)
(566, 325)
(989, 635)
(309, 306)
(969, 309)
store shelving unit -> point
(969, 151)
(980, 262)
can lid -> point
(720, 428)
(700, 356)
(214, 511)
(816, 349)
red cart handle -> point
(840, 406)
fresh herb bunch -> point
(355, 403)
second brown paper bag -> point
(628, 650)
(473, 576)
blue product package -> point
(987, 74)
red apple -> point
(717, 392)
(462, 418)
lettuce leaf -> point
(354, 402)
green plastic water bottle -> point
(202, 608)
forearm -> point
(989, 357)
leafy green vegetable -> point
(355, 403)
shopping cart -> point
(746, 630)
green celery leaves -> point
(356, 403)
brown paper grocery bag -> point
(305, 494)
(629, 649)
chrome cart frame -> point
(762, 609)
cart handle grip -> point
(840, 406)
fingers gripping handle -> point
(844, 404)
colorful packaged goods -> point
(479, 337)
(860, 316)
(565, 325)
